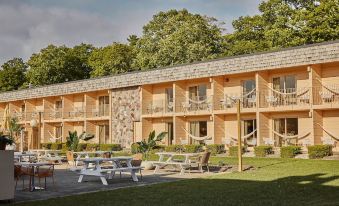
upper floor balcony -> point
(326, 96)
(160, 107)
(248, 100)
(195, 104)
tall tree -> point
(59, 64)
(12, 74)
(176, 37)
(114, 59)
(284, 23)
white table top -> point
(99, 159)
(24, 154)
(91, 152)
(177, 154)
(31, 164)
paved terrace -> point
(66, 183)
(291, 57)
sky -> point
(26, 26)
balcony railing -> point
(247, 100)
(160, 107)
(77, 112)
(194, 104)
(284, 97)
(102, 111)
(327, 95)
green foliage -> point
(192, 148)
(216, 148)
(82, 146)
(146, 146)
(92, 147)
(289, 151)
(114, 59)
(56, 146)
(46, 145)
(59, 64)
(14, 128)
(110, 147)
(5, 139)
(233, 151)
(319, 151)
(72, 141)
(176, 37)
(174, 148)
(12, 74)
(263, 151)
(135, 148)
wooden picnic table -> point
(86, 154)
(104, 172)
(183, 165)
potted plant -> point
(145, 147)
(4, 141)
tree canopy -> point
(12, 74)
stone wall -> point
(126, 109)
(297, 56)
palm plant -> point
(73, 140)
(146, 146)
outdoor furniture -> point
(30, 169)
(202, 161)
(328, 141)
(326, 96)
(186, 106)
(48, 155)
(44, 171)
(136, 162)
(86, 154)
(22, 157)
(185, 164)
(104, 173)
(268, 141)
(271, 100)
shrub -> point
(216, 148)
(82, 146)
(263, 151)
(289, 151)
(192, 148)
(319, 151)
(63, 147)
(56, 146)
(135, 148)
(92, 147)
(174, 148)
(46, 145)
(110, 147)
(158, 148)
(233, 151)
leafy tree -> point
(12, 74)
(176, 37)
(59, 64)
(284, 23)
(114, 59)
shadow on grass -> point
(293, 190)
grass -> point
(274, 182)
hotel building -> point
(289, 96)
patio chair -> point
(202, 161)
(136, 162)
(18, 173)
(70, 159)
(45, 172)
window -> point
(249, 96)
(23, 108)
(169, 99)
(285, 84)
(285, 126)
(199, 129)
(104, 106)
(103, 134)
(169, 129)
(58, 105)
(58, 133)
(198, 92)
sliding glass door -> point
(198, 129)
(285, 128)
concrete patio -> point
(66, 183)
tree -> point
(12, 74)
(59, 64)
(284, 23)
(114, 59)
(176, 37)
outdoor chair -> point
(70, 159)
(19, 173)
(202, 161)
(136, 162)
(43, 172)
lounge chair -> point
(202, 161)
(43, 172)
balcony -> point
(294, 97)
(102, 111)
(160, 107)
(20, 116)
(195, 104)
(248, 100)
(77, 112)
(327, 96)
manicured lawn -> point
(274, 182)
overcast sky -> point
(26, 26)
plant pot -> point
(147, 165)
(2, 146)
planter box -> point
(7, 174)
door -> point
(169, 100)
(198, 129)
(169, 130)
(104, 106)
(103, 134)
(248, 127)
(58, 133)
(286, 127)
(248, 93)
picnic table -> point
(20, 155)
(48, 155)
(33, 166)
(107, 172)
(183, 165)
(85, 155)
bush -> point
(263, 151)
(135, 148)
(174, 148)
(82, 146)
(233, 151)
(64, 147)
(192, 148)
(110, 147)
(46, 145)
(289, 151)
(56, 146)
(216, 148)
(92, 147)
(158, 148)
(319, 151)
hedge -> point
(192, 148)
(233, 151)
(319, 151)
(289, 151)
(216, 148)
(263, 151)
(110, 147)
(174, 148)
(46, 145)
(135, 148)
(83, 146)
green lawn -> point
(274, 182)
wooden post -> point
(239, 137)
(39, 130)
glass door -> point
(287, 127)
(248, 93)
(169, 100)
(58, 133)
(198, 129)
(103, 134)
(103, 106)
(169, 129)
